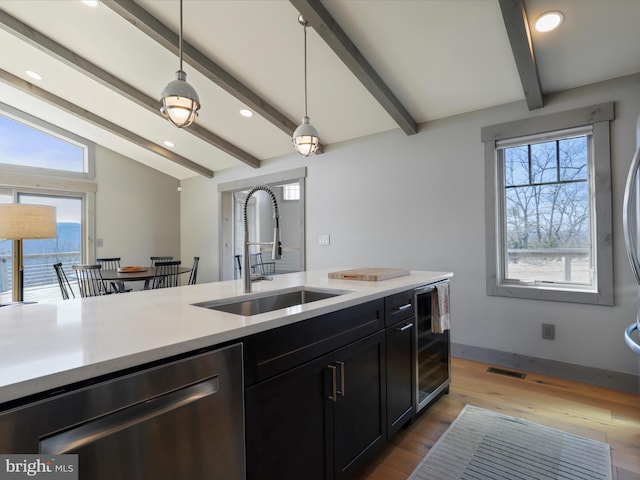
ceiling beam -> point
(166, 37)
(43, 43)
(517, 24)
(322, 22)
(103, 123)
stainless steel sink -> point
(269, 301)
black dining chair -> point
(238, 265)
(155, 260)
(63, 281)
(194, 271)
(90, 282)
(112, 263)
(166, 274)
(259, 267)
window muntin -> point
(546, 213)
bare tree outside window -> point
(547, 212)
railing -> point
(38, 268)
(567, 255)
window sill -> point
(555, 293)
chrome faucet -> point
(276, 250)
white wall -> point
(418, 202)
(137, 210)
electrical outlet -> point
(548, 331)
(324, 239)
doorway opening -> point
(288, 188)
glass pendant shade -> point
(305, 138)
(180, 102)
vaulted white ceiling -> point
(103, 68)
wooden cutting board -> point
(369, 274)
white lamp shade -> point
(305, 138)
(21, 221)
(180, 102)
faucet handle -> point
(276, 251)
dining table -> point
(134, 274)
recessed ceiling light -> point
(34, 75)
(91, 3)
(169, 144)
(548, 21)
(245, 112)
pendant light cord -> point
(305, 70)
(180, 36)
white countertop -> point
(49, 345)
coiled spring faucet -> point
(276, 250)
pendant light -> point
(305, 138)
(180, 102)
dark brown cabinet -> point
(326, 417)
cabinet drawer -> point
(398, 307)
(272, 352)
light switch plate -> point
(324, 239)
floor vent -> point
(508, 373)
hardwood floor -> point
(605, 415)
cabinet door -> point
(360, 406)
(289, 422)
(400, 375)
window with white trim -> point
(549, 209)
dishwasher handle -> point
(75, 438)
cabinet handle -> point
(404, 307)
(404, 327)
(341, 392)
(334, 394)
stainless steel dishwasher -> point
(180, 420)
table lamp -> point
(19, 222)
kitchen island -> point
(46, 346)
(314, 375)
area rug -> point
(485, 445)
